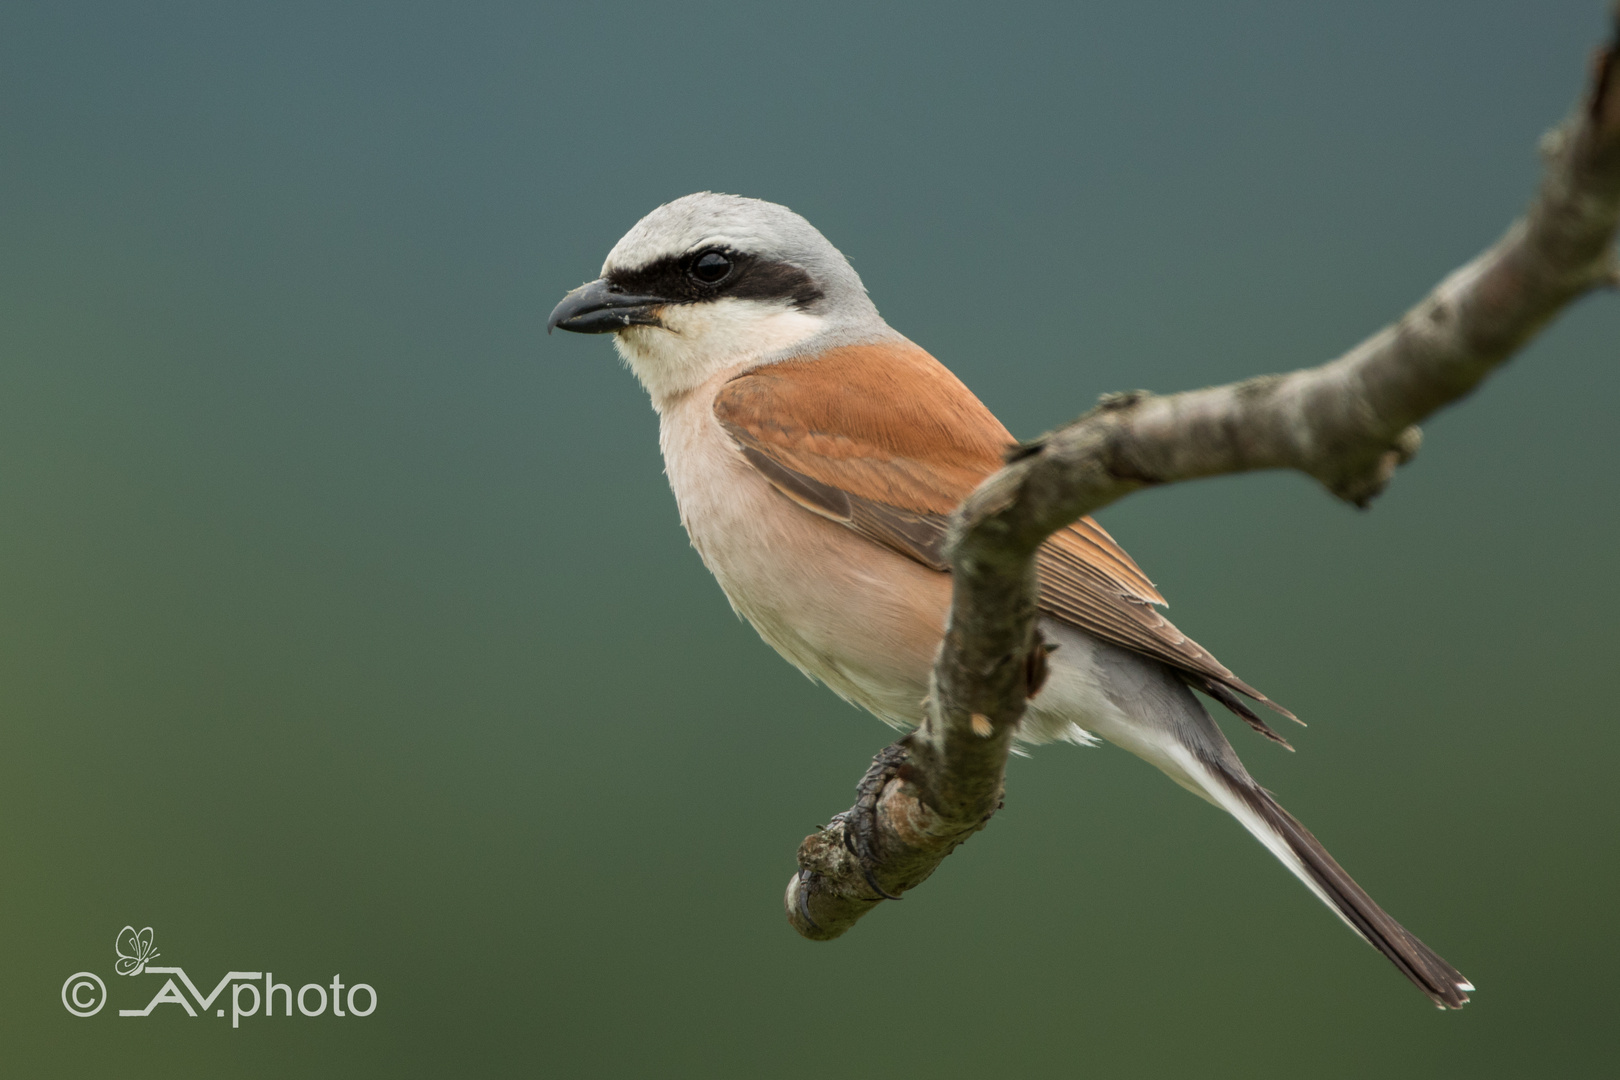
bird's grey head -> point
(710, 282)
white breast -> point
(858, 617)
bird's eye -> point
(711, 268)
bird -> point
(816, 455)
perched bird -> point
(816, 455)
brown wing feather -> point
(1091, 543)
(885, 440)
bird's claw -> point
(860, 821)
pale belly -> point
(864, 620)
(860, 618)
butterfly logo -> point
(133, 950)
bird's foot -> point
(860, 821)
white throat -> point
(699, 340)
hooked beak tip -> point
(599, 307)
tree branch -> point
(1348, 423)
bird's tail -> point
(1147, 709)
(1302, 853)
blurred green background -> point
(347, 626)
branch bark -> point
(1349, 423)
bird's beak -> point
(599, 307)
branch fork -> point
(1349, 423)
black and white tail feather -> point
(1321, 873)
(1160, 720)
(1222, 779)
